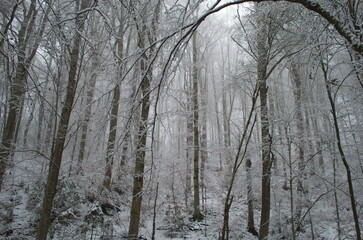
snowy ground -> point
(78, 212)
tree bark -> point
(265, 133)
(146, 71)
(197, 215)
(112, 137)
(56, 159)
(203, 140)
(189, 143)
(140, 151)
(266, 164)
(337, 212)
(250, 199)
(300, 138)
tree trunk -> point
(140, 151)
(341, 151)
(266, 164)
(88, 109)
(112, 137)
(197, 215)
(55, 164)
(250, 199)
(226, 122)
(265, 134)
(114, 112)
(27, 126)
(146, 71)
(219, 131)
(241, 153)
(190, 137)
(203, 140)
(337, 212)
(40, 124)
(300, 138)
(291, 179)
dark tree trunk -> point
(250, 199)
(55, 164)
(265, 133)
(112, 137)
(146, 71)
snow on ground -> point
(80, 212)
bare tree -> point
(114, 116)
(330, 83)
(298, 94)
(197, 215)
(145, 36)
(95, 63)
(55, 164)
(238, 159)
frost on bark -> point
(296, 77)
(203, 137)
(56, 158)
(145, 36)
(197, 215)
(262, 52)
(189, 143)
(140, 148)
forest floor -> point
(82, 211)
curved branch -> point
(354, 39)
